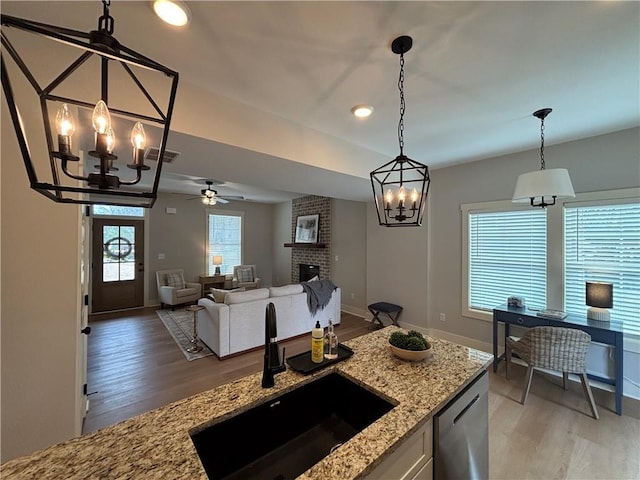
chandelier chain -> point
(106, 22)
(542, 165)
(402, 105)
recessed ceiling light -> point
(173, 12)
(362, 111)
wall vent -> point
(152, 154)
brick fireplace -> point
(311, 254)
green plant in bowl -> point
(410, 346)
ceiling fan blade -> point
(221, 200)
(232, 197)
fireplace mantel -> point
(305, 245)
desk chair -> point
(553, 348)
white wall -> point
(39, 311)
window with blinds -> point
(225, 239)
(507, 255)
(602, 243)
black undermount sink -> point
(284, 437)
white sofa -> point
(238, 324)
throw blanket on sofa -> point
(318, 294)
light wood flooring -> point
(135, 366)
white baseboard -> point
(357, 311)
(461, 340)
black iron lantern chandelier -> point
(400, 187)
(78, 101)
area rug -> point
(179, 323)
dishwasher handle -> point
(467, 408)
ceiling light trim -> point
(172, 12)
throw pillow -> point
(245, 275)
(175, 280)
(220, 294)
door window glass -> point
(118, 256)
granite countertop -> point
(157, 445)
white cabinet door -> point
(411, 460)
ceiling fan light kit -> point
(542, 187)
(400, 187)
(62, 104)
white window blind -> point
(602, 243)
(224, 238)
(507, 256)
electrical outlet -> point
(443, 317)
(353, 296)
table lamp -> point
(217, 261)
(599, 299)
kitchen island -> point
(157, 444)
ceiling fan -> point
(209, 196)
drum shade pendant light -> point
(75, 103)
(543, 187)
(400, 187)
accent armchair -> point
(246, 276)
(174, 290)
(553, 348)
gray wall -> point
(397, 267)
(349, 254)
(39, 310)
(181, 237)
(281, 235)
(604, 162)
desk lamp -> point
(599, 299)
(217, 261)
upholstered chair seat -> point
(246, 276)
(174, 290)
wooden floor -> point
(135, 366)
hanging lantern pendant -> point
(393, 182)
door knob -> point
(86, 330)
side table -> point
(211, 281)
(195, 347)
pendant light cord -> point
(402, 105)
(542, 165)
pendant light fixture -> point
(76, 102)
(400, 187)
(541, 188)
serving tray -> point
(302, 362)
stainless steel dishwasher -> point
(461, 434)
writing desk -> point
(609, 333)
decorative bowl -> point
(412, 355)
